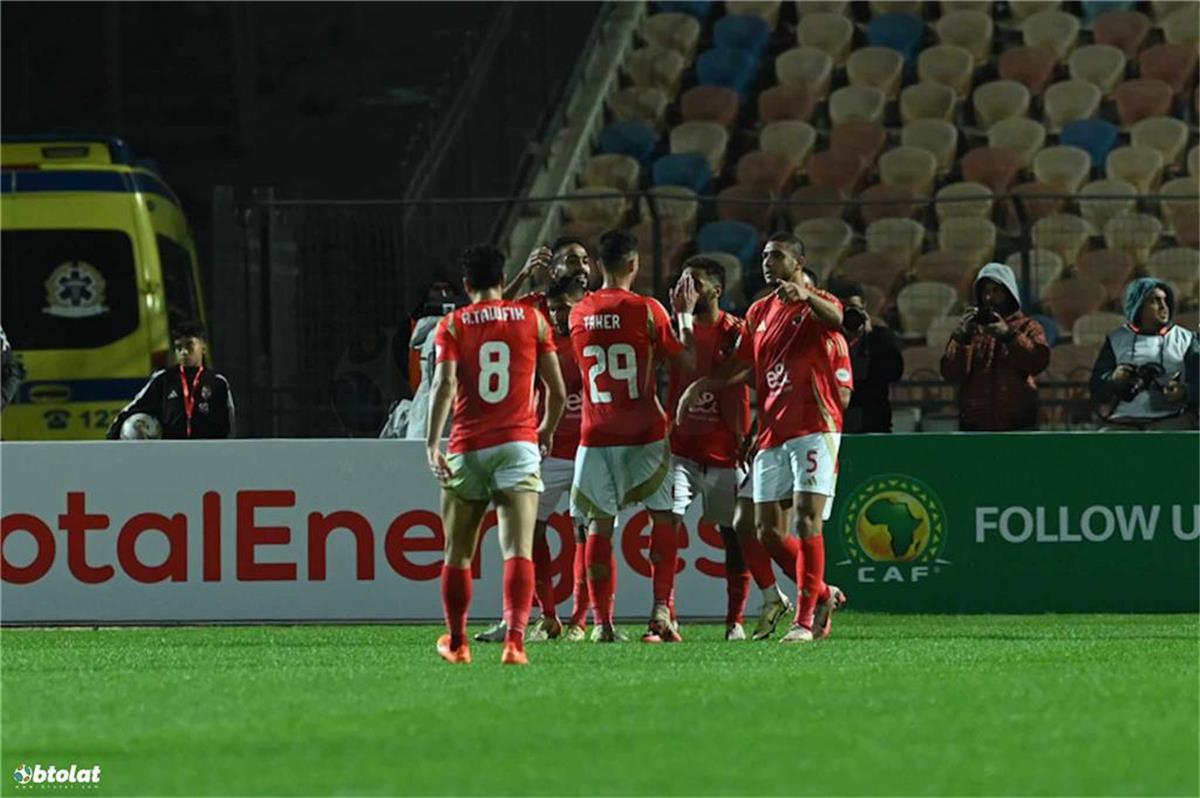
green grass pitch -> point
(896, 705)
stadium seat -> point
(911, 167)
(766, 10)
(690, 170)
(964, 199)
(655, 67)
(734, 295)
(863, 102)
(835, 170)
(676, 205)
(913, 8)
(1163, 133)
(1092, 9)
(921, 302)
(901, 32)
(1099, 211)
(1141, 99)
(994, 167)
(860, 138)
(749, 204)
(952, 268)
(1135, 233)
(629, 138)
(1023, 10)
(927, 101)
(1182, 26)
(970, 30)
(1179, 266)
(700, 9)
(709, 104)
(1069, 100)
(1037, 200)
(1073, 297)
(589, 205)
(737, 238)
(971, 237)
(829, 33)
(1066, 167)
(1092, 329)
(948, 65)
(1109, 267)
(939, 332)
(704, 138)
(1062, 233)
(884, 201)
(787, 101)
(903, 239)
(1030, 66)
(733, 69)
(1193, 161)
(1124, 29)
(1141, 166)
(745, 32)
(1045, 267)
(673, 31)
(826, 242)
(879, 67)
(792, 139)
(999, 100)
(950, 6)
(815, 202)
(936, 136)
(645, 104)
(1181, 209)
(1055, 31)
(618, 171)
(768, 171)
(807, 67)
(1096, 136)
(881, 270)
(1173, 64)
(1022, 135)
(804, 7)
(1102, 65)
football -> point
(141, 427)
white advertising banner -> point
(268, 530)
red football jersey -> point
(798, 364)
(496, 345)
(706, 435)
(536, 299)
(619, 339)
(566, 437)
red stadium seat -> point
(994, 167)
(885, 201)
(860, 138)
(1173, 64)
(1141, 99)
(816, 202)
(835, 170)
(1124, 29)
(768, 171)
(786, 101)
(757, 213)
(1031, 66)
(709, 104)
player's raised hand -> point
(791, 293)
(438, 463)
(684, 294)
(537, 265)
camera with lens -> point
(985, 316)
(1148, 376)
(853, 319)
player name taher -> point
(602, 321)
(481, 315)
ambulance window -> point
(67, 289)
(182, 304)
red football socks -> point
(456, 599)
(601, 572)
(518, 598)
(785, 552)
(737, 588)
(758, 561)
(543, 581)
(663, 551)
(813, 568)
(581, 597)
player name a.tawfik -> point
(602, 321)
(486, 314)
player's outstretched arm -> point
(731, 372)
(556, 399)
(824, 306)
(441, 393)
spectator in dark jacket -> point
(995, 355)
(875, 359)
(189, 400)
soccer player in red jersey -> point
(565, 257)
(488, 356)
(619, 339)
(792, 341)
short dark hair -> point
(482, 266)
(615, 248)
(816, 281)
(189, 329)
(567, 284)
(709, 266)
(793, 242)
(566, 241)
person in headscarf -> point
(995, 355)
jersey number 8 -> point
(620, 361)
(494, 357)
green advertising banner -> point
(1037, 522)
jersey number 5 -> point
(620, 361)
(494, 357)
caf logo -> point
(894, 528)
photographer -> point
(440, 299)
(875, 359)
(994, 355)
(1145, 374)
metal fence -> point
(315, 299)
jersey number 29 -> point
(620, 361)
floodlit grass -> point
(912, 705)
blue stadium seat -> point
(700, 9)
(687, 169)
(1049, 326)
(1096, 136)
(744, 32)
(737, 238)
(629, 138)
(901, 32)
(733, 69)
(1094, 8)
